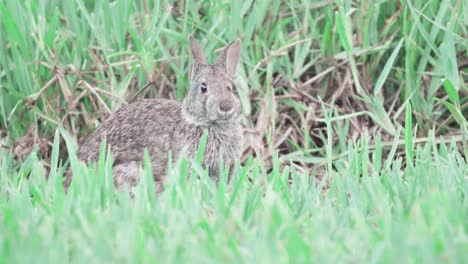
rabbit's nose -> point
(225, 107)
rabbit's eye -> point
(229, 88)
(203, 87)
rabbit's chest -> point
(227, 143)
(221, 143)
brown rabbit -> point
(162, 125)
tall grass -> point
(359, 110)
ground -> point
(355, 113)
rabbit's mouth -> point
(224, 119)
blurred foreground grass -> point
(370, 97)
(368, 210)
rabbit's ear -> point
(230, 57)
(198, 56)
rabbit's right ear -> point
(230, 57)
(198, 56)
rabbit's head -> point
(211, 100)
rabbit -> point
(163, 125)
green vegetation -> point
(359, 112)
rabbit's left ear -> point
(199, 58)
(230, 57)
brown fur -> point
(161, 125)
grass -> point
(372, 211)
(359, 111)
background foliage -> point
(355, 113)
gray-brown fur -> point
(162, 125)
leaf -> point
(341, 29)
(457, 114)
(409, 135)
(451, 92)
(386, 70)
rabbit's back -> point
(148, 123)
